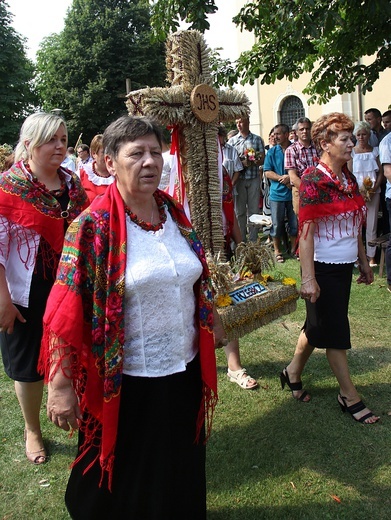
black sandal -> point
(355, 408)
(294, 387)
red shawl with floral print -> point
(28, 204)
(86, 310)
(322, 201)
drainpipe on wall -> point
(359, 98)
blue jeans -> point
(280, 210)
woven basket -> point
(238, 320)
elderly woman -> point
(129, 346)
(38, 199)
(331, 215)
(94, 175)
(368, 171)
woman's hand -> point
(8, 311)
(63, 406)
(8, 314)
(366, 274)
(218, 330)
(310, 289)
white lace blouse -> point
(336, 241)
(365, 165)
(160, 331)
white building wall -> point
(266, 100)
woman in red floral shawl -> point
(331, 215)
(38, 199)
(128, 347)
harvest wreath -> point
(246, 298)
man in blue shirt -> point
(280, 196)
(248, 186)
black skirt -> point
(159, 470)
(20, 350)
(327, 322)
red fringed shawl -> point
(86, 310)
(31, 206)
(228, 204)
(322, 201)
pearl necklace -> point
(348, 190)
(148, 226)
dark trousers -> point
(388, 250)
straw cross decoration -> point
(192, 105)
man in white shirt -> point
(385, 159)
(231, 160)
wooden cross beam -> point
(196, 108)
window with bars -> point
(292, 108)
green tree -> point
(327, 38)
(83, 69)
(17, 96)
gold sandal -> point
(33, 456)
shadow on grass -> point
(290, 460)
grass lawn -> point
(269, 457)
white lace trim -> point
(160, 331)
(94, 178)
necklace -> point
(56, 192)
(348, 189)
(358, 149)
(96, 171)
(148, 226)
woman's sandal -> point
(280, 259)
(241, 378)
(33, 456)
(356, 408)
(294, 387)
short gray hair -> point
(127, 129)
(303, 120)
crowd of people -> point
(289, 152)
(105, 291)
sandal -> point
(294, 387)
(280, 259)
(33, 456)
(241, 378)
(355, 408)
